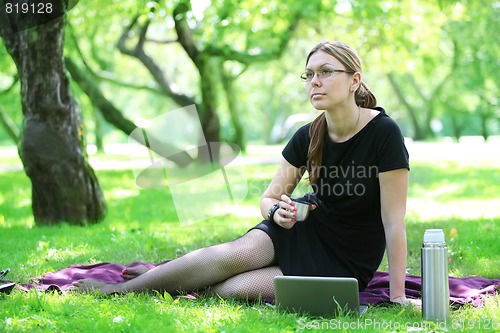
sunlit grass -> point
(142, 225)
(446, 181)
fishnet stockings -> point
(211, 265)
(250, 285)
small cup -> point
(303, 208)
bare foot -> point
(417, 303)
(133, 272)
(92, 285)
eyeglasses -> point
(307, 76)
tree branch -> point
(5, 119)
(115, 117)
(246, 57)
(155, 71)
(157, 41)
(104, 76)
(9, 125)
(418, 135)
(184, 33)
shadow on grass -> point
(472, 246)
(449, 180)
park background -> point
(433, 65)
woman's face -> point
(328, 92)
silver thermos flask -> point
(435, 289)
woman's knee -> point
(249, 285)
(251, 251)
(228, 289)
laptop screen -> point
(318, 296)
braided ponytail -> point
(317, 132)
(364, 97)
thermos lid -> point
(434, 236)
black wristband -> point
(271, 212)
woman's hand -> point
(285, 215)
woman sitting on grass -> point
(358, 167)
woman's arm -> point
(393, 192)
(281, 187)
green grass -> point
(142, 225)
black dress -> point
(344, 236)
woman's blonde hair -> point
(362, 96)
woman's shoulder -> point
(305, 128)
(295, 151)
(302, 132)
(382, 120)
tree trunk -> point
(210, 123)
(457, 126)
(232, 104)
(483, 117)
(64, 186)
(98, 129)
(418, 133)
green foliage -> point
(444, 55)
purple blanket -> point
(462, 290)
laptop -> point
(6, 287)
(318, 296)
